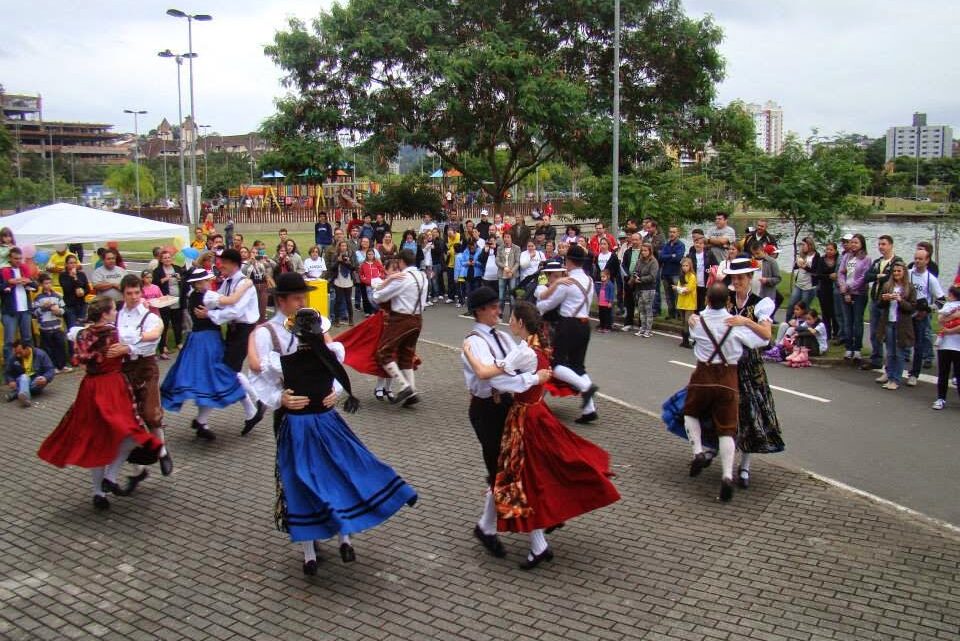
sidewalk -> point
(196, 555)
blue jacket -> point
(670, 256)
(460, 267)
(42, 366)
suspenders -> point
(717, 351)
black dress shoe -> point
(100, 502)
(413, 400)
(533, 560)
(250, 423)
(743, 478)
(585, 397)
(310, 568)
(587, 418)
(110, 487)
(491, 542)
(347, 555)
(203, 431)
(554, 528)
(726, 490)
(379, 394)
(166, 465)
(402, 396)
(697, 464)
(133, 482)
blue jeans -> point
(921, 332)
(800, 295)
(437, 283)
(507, 285)
(11, 323)
(25, 385)
(876, 344)
(896, 356)
(853, 317)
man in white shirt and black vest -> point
(406, 291)
(572, 296)
(490, 399)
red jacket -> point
(369, 271)
(594, 243)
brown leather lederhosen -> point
(398, 342)
(713, 389)
(144, 376)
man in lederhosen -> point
(241, 318)
(490, 400)
(572, 297)
(718, 343)
(407, 293)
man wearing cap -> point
(484, 225)
(713, 389)
(490, 399)
(572, 296)
(407, 292)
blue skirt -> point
(672, 416)
(329, 483)
(200, 375)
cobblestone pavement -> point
(196, 556)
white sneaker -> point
(459, 305)
(648, 334)
(640, 333)
(883, 378)
(449, 300)
(939, 404)
(847, 355)
(626, 328)
(911, 381)
(428, 304)
(857, 356)
(890, 385)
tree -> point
(409, 197)
(528, 78)
(813, 193)
(123, 179)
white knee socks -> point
(571, 378)
(538, 542)
(488, 518)
(249, 408)
(344, 538)
(96, 475)
(409, 377)
(589, 408)
(247, 387)
(159, 433)
(692, 424)
(126, 446)
(727, 452)
(309, 553)
(394, 373)
(203, 414)
(745, 461)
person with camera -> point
(342, 269)
(930, 296)
(897, 302)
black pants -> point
(235, 349)
(606, 317)
(487, 418)
(55, 344)
(827, 313)
(701, 298)
(630, 302)
(171, 318)
(570, 349)
(947, 358)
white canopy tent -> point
(63, 223)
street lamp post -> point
(200, 17)
(184, 212)
(615, 199)
(136, 150)
(204, 155)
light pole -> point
(136, 150)
(53, 180)
(200, 17)
(184, 213)
(204, 154)
(615, 199)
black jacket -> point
(159, 275)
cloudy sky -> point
(839, 65)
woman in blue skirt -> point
(328, 483)
(199, 373)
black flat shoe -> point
(379, 394)
(697, 464)
(587, 418)
(101, 502)
(250, 423)
(491, 542)
(166, 465)
(554, 528)
(743, 478)
(310, 568)
(347, 555)
(203, 431)
(413, 400)
(588, 395)
(133, 482)
(726, 490)
(402, 396)
(109, 487)
(533, 560)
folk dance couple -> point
(328, 482)
(539, 473)
(730, 384)
(208, 370)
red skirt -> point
(90, 433)
(563, 474)
(361, 342)
(558, 388)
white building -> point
(929, 141)
(768, 123)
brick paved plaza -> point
(196, 555)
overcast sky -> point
(839, 65)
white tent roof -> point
(63, 223)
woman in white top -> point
(530, 261)
(314, 266)
(724, 266)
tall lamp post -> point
(615, 198)
(200, 17)
(136, 150)
(204, 127)
(178, 58)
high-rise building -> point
(768, 123)
(920, 140)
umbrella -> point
(453, 173)
(437, 174)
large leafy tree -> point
(409, 197)
(529, 79)
(123, 179)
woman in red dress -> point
(102, 427)
(547, 474)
